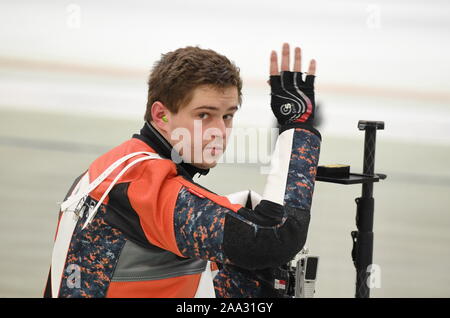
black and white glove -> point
(292, 98)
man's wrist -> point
(306, 126)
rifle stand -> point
(362, 251)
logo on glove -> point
(286, 108)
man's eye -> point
(228, 117)
(203, 115)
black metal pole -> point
(363, 238)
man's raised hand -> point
(292, 98)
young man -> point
(135, 224)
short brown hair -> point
(175, 76)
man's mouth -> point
(218, 146)
(214, 149)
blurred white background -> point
(73, 84)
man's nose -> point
(217, 132)
(221, 128)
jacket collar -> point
(155, 140)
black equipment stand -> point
(362, 251)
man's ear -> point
(160, 115)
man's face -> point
(200, 129)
